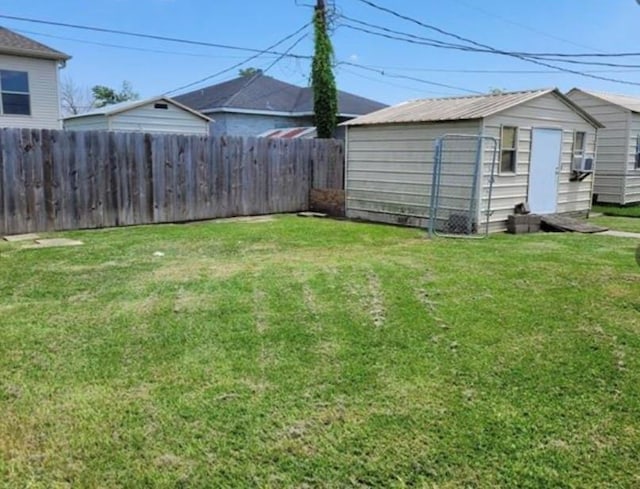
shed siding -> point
(613, 140)
(550, 112)
(632, 175)
(149, 119)
(389, 169)
(43, 91)
(88, 123)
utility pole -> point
(325, 94)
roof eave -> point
(354, 123)
(28, 53)
(109, 113)
(238, 110)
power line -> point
(425, 41)
(255, 77)
(250, 58)
(391, 84)
(524, 26)
(211, 56)
(406, 77)
(148, 36)
(491, 72)
(129, 48)
(492, 49)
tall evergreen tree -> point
(325, 94)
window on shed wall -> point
(579, 143)
(508, 149)
(637, 159)
(14, 90)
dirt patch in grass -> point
(194, 269)
(375, 301)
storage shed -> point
(154, 115)
(618, 178)
(541, 135)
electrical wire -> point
(406, 77)
(250, 58)
(129, 48)
(148, 36)
(492, 49)
(423, 41)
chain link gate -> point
(461, 189)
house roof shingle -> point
(264, 93)
(17, 44)
(459, 108)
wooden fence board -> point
(56, 180)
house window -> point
(508, 149)
(161, 106)
(637, 159)
(14, 90)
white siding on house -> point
(43, 92)
(615, 148)
(88, 123)
(149, 119)
(237, 124)
(389, 169)
(547, 111)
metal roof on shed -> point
(113, 109)
(625, 101)
(460, 108)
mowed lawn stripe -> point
(318, 352)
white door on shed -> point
(546, 150)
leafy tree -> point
(249, 71)
(325, 93)
(103, 95)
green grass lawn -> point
(613, 210)
(629, 224)
(319, 353)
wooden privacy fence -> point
(54, 180)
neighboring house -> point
(154, 115)
(290, 133)
(617, 180)
(390, 156)
(29, 82)
(252, 105)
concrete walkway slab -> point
(620, 234)
(21, 237)
(54, 242)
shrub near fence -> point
(55, 180)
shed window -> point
(508, 149)
(579, 140)
(14, 90)
(637, 159)
(161, 106)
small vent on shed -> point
(160, 106)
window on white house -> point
(637, 161)
(508, 149)
(14, 92)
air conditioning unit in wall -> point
(583, 163)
